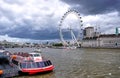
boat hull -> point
(32, 71)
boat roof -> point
(34, 53)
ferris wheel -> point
(74, 38)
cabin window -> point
(31, 55)
(42, 64)
(28, 65)
(36, 55)
(38, 64)
(23, 65)
(33, 65)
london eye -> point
(70, 28)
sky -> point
(27, 20)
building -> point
(109, 40)
(91, 39)
(88, 32)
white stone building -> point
(100, 41)
(89, 32)
(110, 41)
(105, 41)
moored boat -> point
(7, 67)
(32, 63)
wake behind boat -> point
(32, 63)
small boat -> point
(32, 63)
(38, 50)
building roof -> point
(89, 28)
(109, 35)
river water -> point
(79, 63)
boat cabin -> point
(36, 57)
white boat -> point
(32, 63)
(38, 50)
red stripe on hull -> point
(38, 70)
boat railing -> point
(23, 54)
(21, 57)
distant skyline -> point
(27, 20)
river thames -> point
(79, 63)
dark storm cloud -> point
(38, 19)
(26, 30)
(30, 19)
(94, 6)
(38, 35)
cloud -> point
(107, 22)
(94, 6)
(13, 39)
(23, 40)
(39, 19)
(101, 14)
(31, 19)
